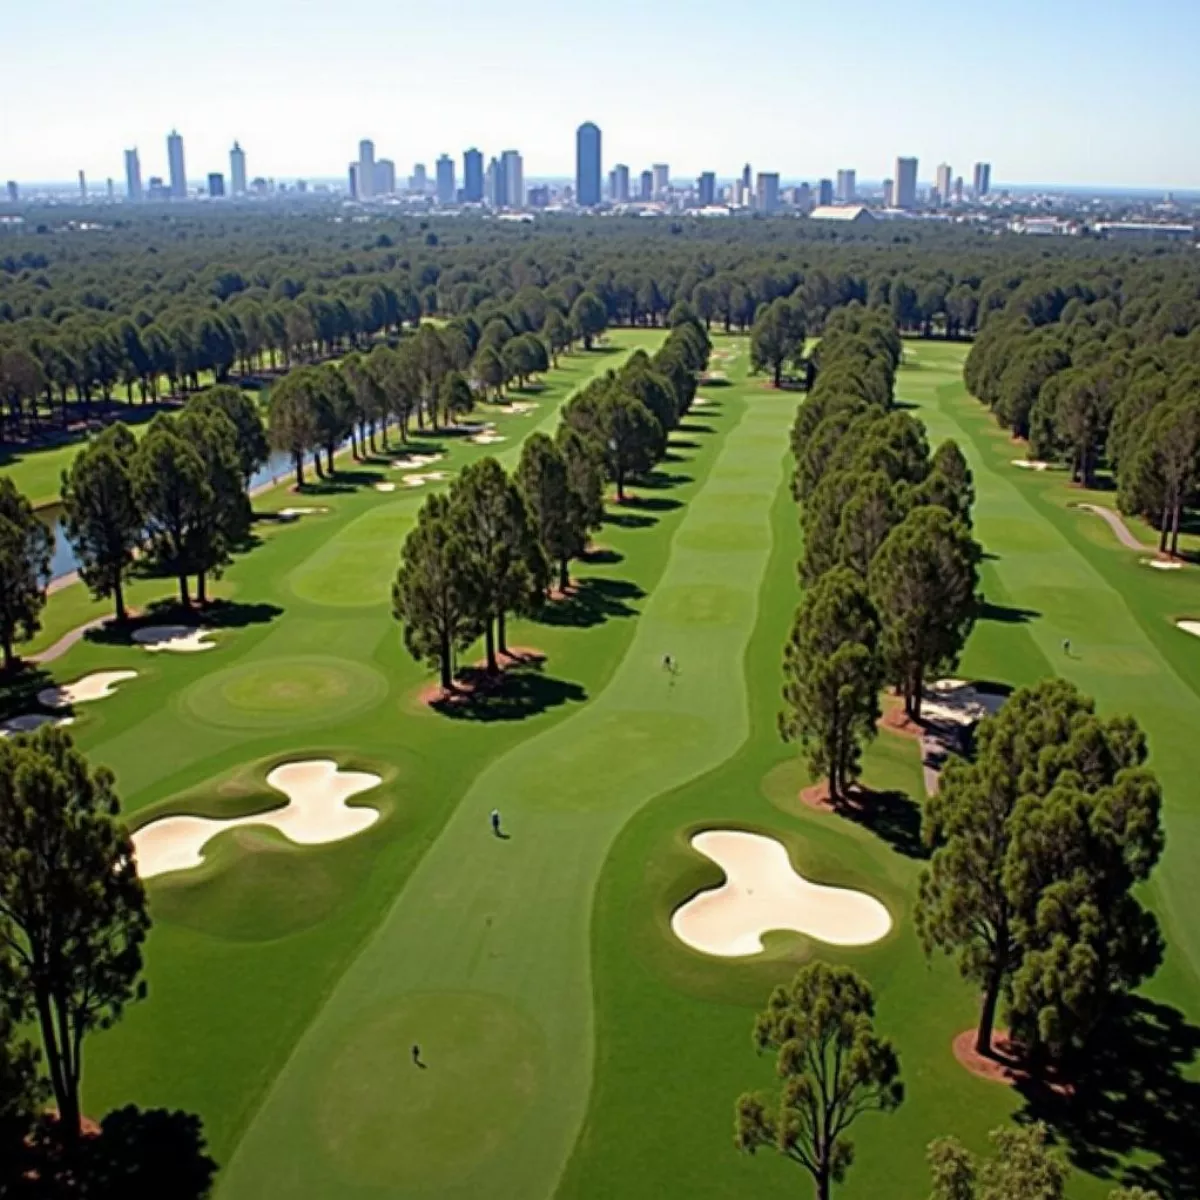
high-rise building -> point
(176, 169)
(958, 190)
(945, 182)
(646, 188)
(133, 176)
(825, 192)
(14, 192)
(587, 165)
(237, 170)
(385, 177)
(494, 191)
(514, 179)
(82, 187)
(110, 191)
(802, 198)
(620, 190)
(447, 185)
(662, 180)
(747, 179)
(539, 196)
(766, 192)
(889, 193)
(906, 183)
(706, 189)
(156, 189)
(216, 184)
(418, 181)
(366, 169)
(847, 186)
(353, 176)
(983, 180)
(473, 177)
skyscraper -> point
(906, 183)
(237, 170)
(385, 177)
(109, 190)
(176, 169)
(746, 178)
(958, 190)
(767, 192)
(473, 177)
(889, 193)
(447, 187)
(353, 177)
(14, 192)
(825, 192)
(418, 181)
(706, 189)
(587, 165)
(216, 185)
(82, 186)
(983, 180)
(847, 186)
(514, 179)
(945, 182)
(662, 180)
(618, 184)
(646, 190)
(366, 169)
(494, 190)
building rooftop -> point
(840, 212)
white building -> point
(514, 179)
(846, 214)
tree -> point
(631, 436)
(25, 550)
(555, 334)
(833, 1067)
(776, 337)
(866, 518)
(252, 447)
(949, 482)
(72, 908)
(147, 1154)
(922, 583)
(430, 595)
(489, 370)
(100, 513)
(588, 318)
(1054, 929)
(172, 492)
(456, 396)
(292, 419)
(584, 459)
(557, 511)
(22, 1094)
(1023, 1169)
(832, 678)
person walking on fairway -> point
(496, 821)
(1067, 647)
(416, 1055)
(667, 663)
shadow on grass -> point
(1007, 614)
(1131, 1096)
(654, 503)
(217, 614)
(628, 520)
(661, 480)
(341, 482)
(19, 689)
(593, 602)
(891, 816)
(522, 690)
(710, 382)
(694, 427)
(604, 555)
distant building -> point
(353, 181)
(889, 193)
(176, 169)
(662, 180)
(156, 189)
(945, 182)
(237, 170)
(495, 191)
(447, 185)
(473, 176)
(618, 184)
(14, 192)
(587, 165)
(110, 191)
(216, 184)
(905, 187)
(1144, 231)
(1042, 226)
(766, 192)
(539, 197)
(366, 169)
(514, 179)
(958, 190)
(385, 178)
(646, 191)
(82, 187)
(802, 198)
(747, 179)
(133, 176)
(706, 189)
(418, 181)
(847, 186)
(983, 180)
(825, 193)
(845, 214)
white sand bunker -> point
(421, 479)
(701, 402)
(179, 639)
(385, 487)
(488, 438)
(763, 892)
(409, 462)
(1163, 564)
(316, 813)
(520, 408)
(28, 722)
(91, 687)
(292, 514)
(1192, 627)
(955, 702)
(1032, 464)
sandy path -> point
(97, 686)
(764, 892)
(64, 643)
(316, 813)
(1116, 524)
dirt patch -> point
(896, 720)
(475, 680)
(1004, 1065)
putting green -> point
(286, 693)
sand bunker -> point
(954, 702)
(1163, 564)
(91, 687)
(28, 722)
(409, 462)
(763, 892)
(385, 487)
(1192, 627)
(316, 812)
(488, 439)
(1032, 464)
(291, 514)
(701, 402)
(421, 479)
(180, 639)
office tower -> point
(905, 188)
(889, 192)
(156, 189)
(14, 192)
(646, 186)
(216, 184)
(945, 182)
(514, 179)
(825, 192)
(983, 180)
(133, 176)
(767, 192)
(237, 170)
(847, 186)
(706, 189)
(803, 198)
(385, 177)
(110, 192)
(539, 196)
(958, 190)
(618, 184)
(447, 185)
(418, 181)
(746, 179)
(366, 169)
(661, 180)
(587, 165)
(82, 187)
(353, 181)
(176, 170)
(473, 177)
(493, 185)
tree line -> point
(490, 548)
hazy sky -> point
(1063, 91)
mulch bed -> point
(816, 796)
(1004, 1065)
(896, 720)
(475, 681)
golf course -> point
(365, 992)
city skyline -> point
(1017, 84)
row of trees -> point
(490, 547)
(889, 566)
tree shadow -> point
(1006, 614)
(694, 427)
(592, 602)
(660, 480)
(715, 383)
(19, 690)
(891, 816)
(605, 555)
(1131, 1096)
(905, 405)
(653, 503)
(522, 690)
(216, 614)
(628, 520)
(341, 482)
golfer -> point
(496, 821)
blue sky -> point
(1063, 91)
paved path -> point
(64, 643)
(1117, 524)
